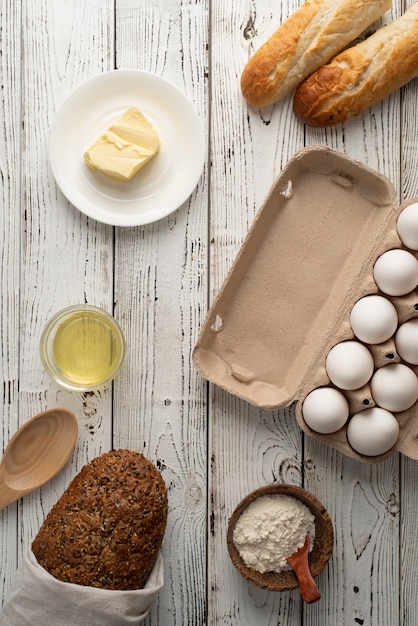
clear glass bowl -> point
(82, 347)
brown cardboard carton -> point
(306, 260)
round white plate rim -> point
(183, 109)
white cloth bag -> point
(36, 597)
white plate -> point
(163, 184)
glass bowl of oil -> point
(82, 347)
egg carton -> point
(286, 301)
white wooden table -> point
(159, 280)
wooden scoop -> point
(36, 452)
(299, 563)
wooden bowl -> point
(321, 549)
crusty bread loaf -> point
(106, 529)
(361, 76)
(310, 37)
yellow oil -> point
(87, 348)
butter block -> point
(125, 147)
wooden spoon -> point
(299, 563)
(36, 452)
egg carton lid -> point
(285, 302)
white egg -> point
(396, 272)
(394, 387)
(373, 431)
(349, 365)
(407, 226)
(406, 341)
(325, 410)
(373, 319)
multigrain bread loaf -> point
(362, 75)
(310, 37)
(106, 529)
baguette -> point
(310, 37)
(106, 529)
(361, 76)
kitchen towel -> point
(36, 597)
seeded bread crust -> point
(107, 528)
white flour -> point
(270, 529)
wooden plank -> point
(408, 502)
(248, 447)
(10, 170)
(366, 538)
(65, 257)
(362, 500)
(160, 296)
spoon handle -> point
(299, 562)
